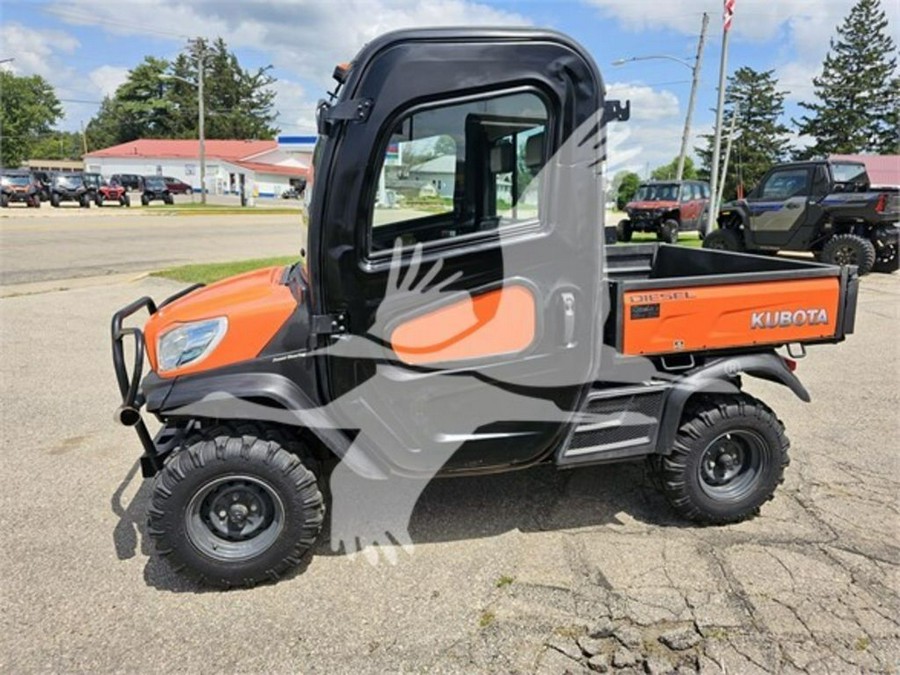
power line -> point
(92, 19)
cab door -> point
(460, 240)
(778, 206)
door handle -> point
(568, 300)
(792, 205)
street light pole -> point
(695, 81)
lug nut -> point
(222, 515)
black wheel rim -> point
(234, 518)
(887, 254)
(845, 255)
(733, 465)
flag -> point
(728, 14)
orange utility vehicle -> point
(461, 148)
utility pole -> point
(734, 116)
(83, 139)
(200, 55)
(717, 143)
(695, 81)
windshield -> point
(154, 182)
(71, 180)
(849, 173)
(16, 180)
(657, 193)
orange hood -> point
(256, 305)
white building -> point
(267, 169)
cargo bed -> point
(671, 299)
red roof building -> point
(269, 169)
(883, 170)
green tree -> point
(858, 92)
(240, 103)
(761, 139)
(159, 99)
(628, 187)
(670, 170)
(28, 109)
(58, 145)
(140, 108)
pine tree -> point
(761, 139)
(855, 110)
(159, 100)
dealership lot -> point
(510, 573)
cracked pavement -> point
(536, 571)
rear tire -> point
(54, 200)
(145, 200)
(728, 458)
(169, 199)
(624, 231)
(99, 200)
(86, 202)
(4, 201)
(125, 200)
(850, 249)
(724, 239)
(668, 231)
(233, 507)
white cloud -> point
(304, 37)
(108, 78)
(36, 52)
(652, 136)
(647, 104)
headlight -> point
(190, 342)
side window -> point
(785, 184)
(704, 190)
(459, 169)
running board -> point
(622, 423)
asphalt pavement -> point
(533, 571)
(46, 244)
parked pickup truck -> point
(824, 207)
(460, 335)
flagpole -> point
(720, 111)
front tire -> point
(125, 200)
(54, 200)
(99, 200)
(728, 458)
(235, 508)
(668, 232)
(724, 239)
(145, 200)
(850, 249)
(624, 231)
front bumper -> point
(129, 412)
(21, 196)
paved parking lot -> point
(535, 571)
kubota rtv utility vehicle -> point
(645, 345)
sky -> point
(85, 48)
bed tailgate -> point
(731, 315)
